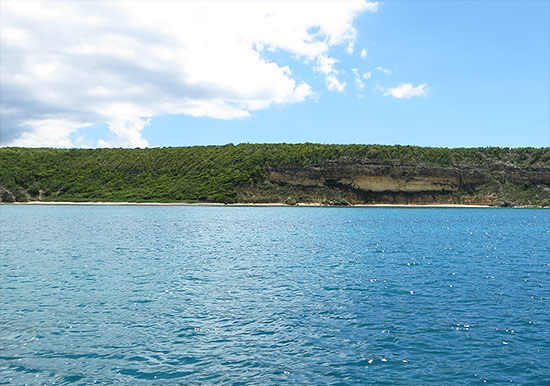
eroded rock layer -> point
(368, 182)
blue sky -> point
(487, 68)
(480, 71)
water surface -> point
(253, 296)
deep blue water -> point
(273, 296)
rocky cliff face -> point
(6, 195)
(370, 182)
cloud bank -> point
(405, 91)
(69, 65)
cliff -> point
(375, 182)
(256, 173)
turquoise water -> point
(270, 296)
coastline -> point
(245, 204)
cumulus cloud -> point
(364, 53)
(405, 91)
(48, 132)
(69, 65)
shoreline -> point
(244, 204)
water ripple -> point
(254, 296)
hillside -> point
(329, 174)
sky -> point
(131, 74)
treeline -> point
(205, 173)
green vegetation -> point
(220, 173)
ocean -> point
(168, 295)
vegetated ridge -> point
(287, 173)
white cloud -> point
(405, 91)
(350, 48)
(127, 131)
(48, 132)
(333, 84)
(364, 53)
(68, 65)
(358, 81)
(325, 65)
(367, 75)
(384, 70)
